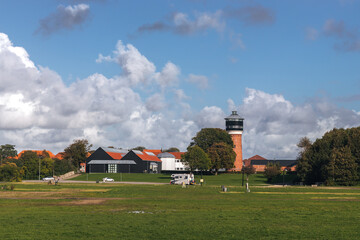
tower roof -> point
(234, 116)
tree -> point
(196, 158)
(303, 166)
(77, 152)
(272, 170)
(248, 170)
(46, 167)
(315, 162)
(342, 168)
(172, 149)
(222, 155)
(6, 151)
(9, 172)
(139, 148)
(29, 162)
(207, 137)
(62, 166)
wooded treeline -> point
(333, 159)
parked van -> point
(186, 178)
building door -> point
(111, 168)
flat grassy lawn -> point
(121, 211)
(221, 179)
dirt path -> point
(74, 181)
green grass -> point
(221, 179)
(122, 211)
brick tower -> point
(234, 126)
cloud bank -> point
(40, 112)
(346, 39)
(181, 23)
(64, 18)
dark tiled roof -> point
(256, 157)
(282, 163)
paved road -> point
(73, 181)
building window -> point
(112, 168)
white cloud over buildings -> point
(39, 111)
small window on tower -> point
(234, 146)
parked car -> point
(184, 178)
(108, 179)
(48, 178)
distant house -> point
(112, 160)
(60, 155)
(146, 161)
(38, 152)
(108, 160)
(171, 161)
(259, 163)
(154, 151)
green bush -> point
(9, 172)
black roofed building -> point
(146, 161)
(109, 160)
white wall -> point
(172, 164)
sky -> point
(153, 73)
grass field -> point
(221, 179)
(122, 211)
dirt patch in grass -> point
(34, 195)
(347, 199)
(306, 193)
(84, 202)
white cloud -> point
(180, 95)
(168, 76)
(155, 103)
(136, 67)
(273, 125)
(182, 24)
(39, 111)
(200, 81)
(211, 117)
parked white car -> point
(108, 179)
(48, 178)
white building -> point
(172, 161)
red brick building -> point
(259, 163)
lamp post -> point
(285, 170)
(243, 165)
(39, 168)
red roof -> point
(60, 155)
(256, 157)
(116, 156)
(177, 154)
(38, 152)
(154, 151)
(147, 157)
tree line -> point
(32, 165)
(333, 159)
(211, 148)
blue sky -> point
(291, 69)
